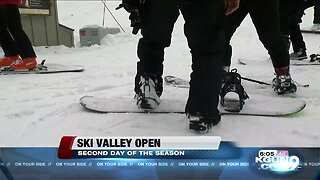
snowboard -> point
(309, 31)
(257, 105)
(305, 62)
(44, 69)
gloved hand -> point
(231, 6)
(135, 8)
(129, 5)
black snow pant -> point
(291, 13)
(265, 17)
(316, 19)
(296, 38)
(204, 31)
(13, 39)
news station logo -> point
(277, 161)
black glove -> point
(129, 5)
(136, 10)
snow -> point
(37, 110)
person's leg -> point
(204, 31)
(6, 40)
(286, 13)
(270, 36)
(316, 19)
(298, 44)
(230, 81)
(269, 31)
(156, 35)
(232, 22)
(296, 37)
(13, 22)
(316, 16)
(290, 18)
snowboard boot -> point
(7, 61)
(199, 123)
(147, 97)
(282, 83)
(314, 57)
(300, 55)
(24, 64)
(232, 94)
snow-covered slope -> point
(37, 110)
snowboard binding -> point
(41, 66)
(314, 57)
(147, 97)
(232, 93)
(283, 84)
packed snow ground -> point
(37, 110)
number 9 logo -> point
(293, 162)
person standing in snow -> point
(204, 30)
(316, 16)
(13, 40)
(291, 13)
(266, 19)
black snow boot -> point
(283, 84)
(232, 92)
(199, 123)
